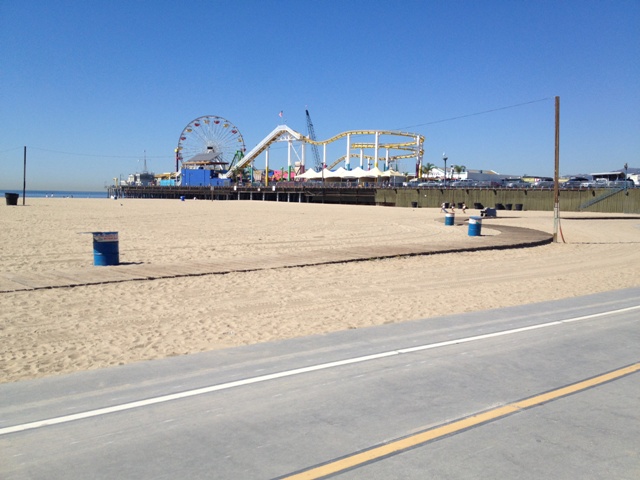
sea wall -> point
(610, 201)
(603, 200)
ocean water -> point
(56, 194)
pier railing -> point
(580, 199)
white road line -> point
(515, 330)
(289, 373)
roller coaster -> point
(214, 143)
(388, 141)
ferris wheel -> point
(210, 138)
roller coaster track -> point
(277, 133)
(368, 157)
(368, 132)
(282, 132)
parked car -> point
(430, 184)
(574, 182)
(487, 183)
(517, 184)
(543, 184)
(601, 182)
(464, 183)
(622, 183)
(598, 183)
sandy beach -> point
(54, 331)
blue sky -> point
(89, 87)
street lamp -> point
(444, 157)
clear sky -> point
(90, 86)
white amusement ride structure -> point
(217, 143)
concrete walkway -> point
(509, 237)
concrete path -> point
(547, 390)
(509, 237)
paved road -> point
(451, 397)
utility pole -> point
(444, 157)
(24, 176)
(556, 175)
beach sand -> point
(54, 331)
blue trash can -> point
(11, 198)
(475, 226)
(449, 218)
(106, 249)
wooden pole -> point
(556, 185)
(24, 175)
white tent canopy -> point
(375, 172)
(357, 172)
(310, 174)
(392, 173)
(341, 172)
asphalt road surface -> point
(548, 390)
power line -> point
(136, 157)
(10, 149)
(97, 155)
(477, 113)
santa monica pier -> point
(211, 162)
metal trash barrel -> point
(106, 249)
(475, 226)
(449, 218)
(414, 204)
(11, 198)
